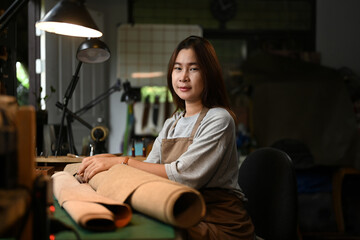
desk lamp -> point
(90, 51)
(71, 18)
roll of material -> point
(88, 208)
(157, 197)
(26, 144)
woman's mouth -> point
(184, 89)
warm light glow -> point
(147, 74)
(68, 29)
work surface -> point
(140, 227)
(57, 162)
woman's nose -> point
(184, 77)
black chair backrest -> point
(268, 181)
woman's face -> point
(186, 77)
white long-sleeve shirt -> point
(211, 161)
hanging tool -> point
(156, 108)
(145, 115)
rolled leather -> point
(157, 197)
(88, 208)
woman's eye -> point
(193, 69)
(177, 68)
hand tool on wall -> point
(156, 107)
(145, 115)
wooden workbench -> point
(58, 162)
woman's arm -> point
(98, 163)
(154, 168)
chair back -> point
(268, 181)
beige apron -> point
(226, 217)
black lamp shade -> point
(69, 17)
(93, 51)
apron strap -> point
(198, 121)
(174, 125)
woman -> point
(196, 146)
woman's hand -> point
(98, 163)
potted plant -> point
(39, 98)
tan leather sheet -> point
(88, 208)
(165, 200)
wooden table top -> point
(70, 159)
(59, 159)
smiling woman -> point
(197, 145)
(187, 79)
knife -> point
(156, 107)
(145, 115)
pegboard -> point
(144, 50)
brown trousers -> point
(225, 219)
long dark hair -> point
(214, 93)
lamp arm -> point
(59, 139)
(71, 115)
(92, 103)
(11, 12)
(74, 115)
(68, 94)
(70, 89)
